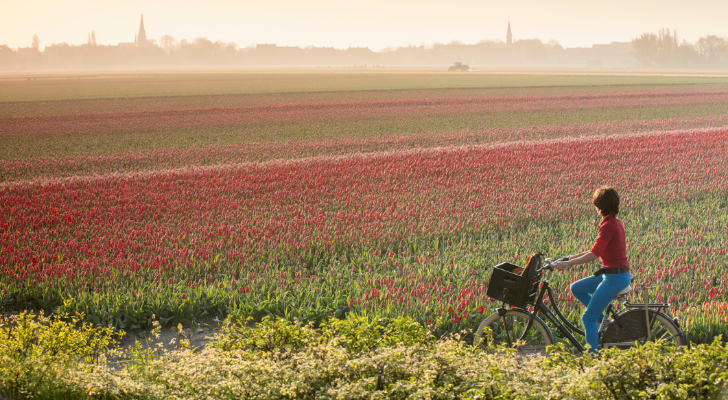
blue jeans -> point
(595, 293)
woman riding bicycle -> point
(597, 291)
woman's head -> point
(606, 200)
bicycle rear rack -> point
(651, 305)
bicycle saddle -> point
(625, 290)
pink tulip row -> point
(138, 123)
(44, 170)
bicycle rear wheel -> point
(515, 328)
(661, 329)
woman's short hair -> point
(606, 200)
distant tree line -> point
(651, 50)
(665, 50)
(202, 52)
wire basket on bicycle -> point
(517, 288)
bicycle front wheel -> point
(519, 329)
(636, 330)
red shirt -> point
(610, 245)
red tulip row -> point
(145, 226)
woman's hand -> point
(561, 265)
(578, 259)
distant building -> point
(266, 47)
(142, 36)
(272, 54)
(615, 54)
(509, 35)
(613, 50)
(27, 52)
(140, 39)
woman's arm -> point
(581, 258)
(578, 255)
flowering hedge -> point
(306, 364)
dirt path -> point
(170, 337)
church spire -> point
(142, 37)
(509, 36)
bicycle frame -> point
(566, 327)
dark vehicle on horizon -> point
(458, 66)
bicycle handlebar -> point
(549, 263)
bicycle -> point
(516, 326)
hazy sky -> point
(343, 23)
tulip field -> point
(386, 202)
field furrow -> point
(206, 101)
(171, 120)
(163, 85)
(76, 135)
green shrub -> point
(358, 333)
(35, 350)
(65, 338)
(270, 335)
